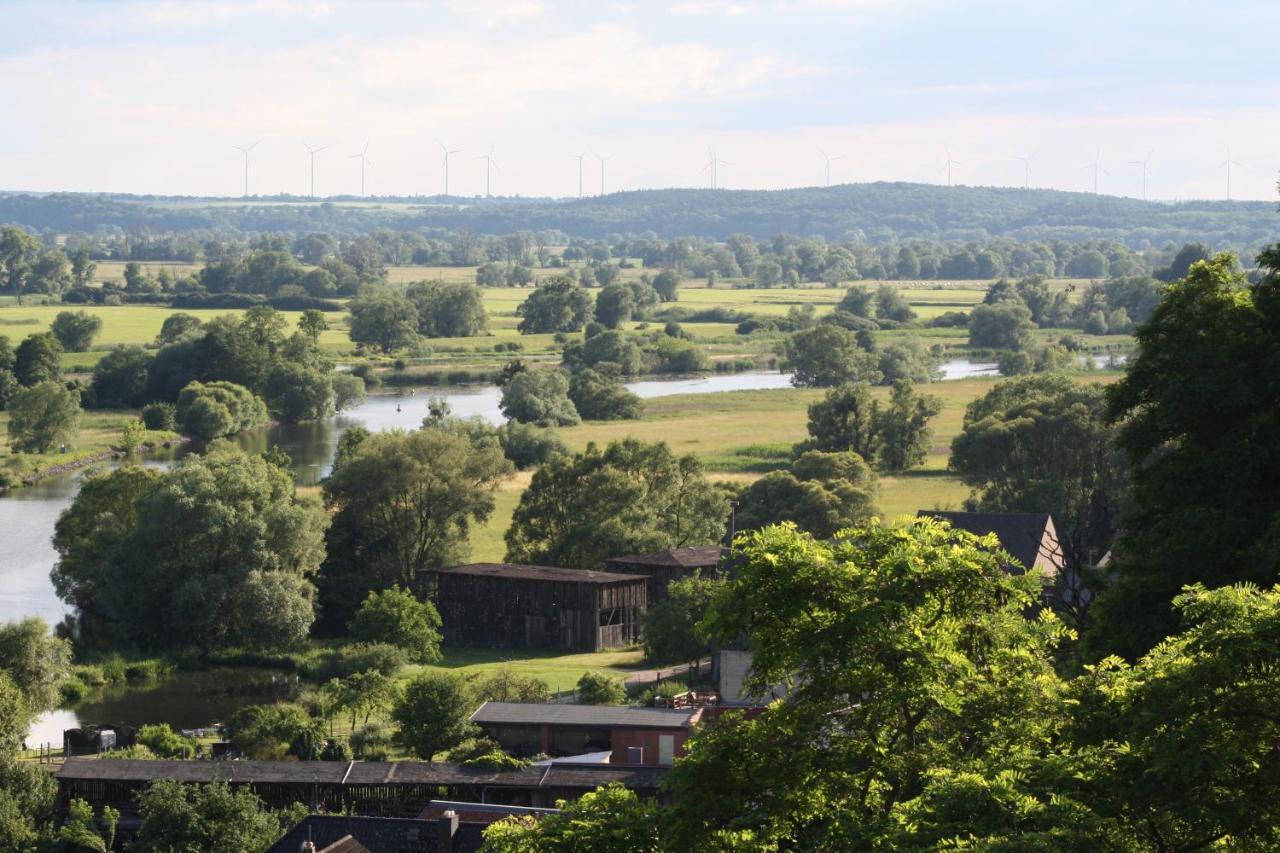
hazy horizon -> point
(151, 97)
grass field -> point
(99, 433)
(559, 671)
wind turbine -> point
(447, 151)
(829, 160)
(580, 158)
(1228, 163)
(714, 164)
(1143, 163)
(1026, 167)
(1096, 165)
(364, 161)
(489, 165)
(314, 152)
(602, 160)
(245, 152)
(949, 163)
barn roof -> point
(1027, 536)
(530, 714)
(536, 573)
(704, 556)
(352, 834)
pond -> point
(185, 700)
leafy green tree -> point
(507, 685)
(600, 688)
(348, 391)
(18, 254)
(609, 351)
(1187, 257)
(215, 409)
(209, 818)
(615, 304)
(160, 416)
(42, 417)
(448, 309)
(433, 714)
(401, 503)
(1042, 444)
(904, 649)
(180, 325)
(296, 393)
(28, 795)
(383, 318)
(528, 446)
(632, 497)
(85, 831)
(611, 819)
(120, 378)
(844, 420)
(397, 617)
(8, 382)
(1193, 413)
(38, 359)
(166, 743)
(75, 330)
(667, 284)
(907, 359)
(858, 301)
(603, 398)
(217, 554)
(902, 431)
(558, 304)
(671, 625)
(892, 305)
(1005, 325)
(270, 732)
(312, 323)
(34, 662)
(539, 397)
(821, 493)
(827, 355)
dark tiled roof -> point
(520, 713)
(375, 834)
(1022, 534)
(535, 573)
(345, 844)
(705, 556)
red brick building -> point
(645, 736)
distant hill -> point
(878, 213)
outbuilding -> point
(664, 567)
(505, 605)
(631, 736)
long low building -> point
(631, 736)
(381, 788)
(505, 605)
(663, 568)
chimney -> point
(447, 828)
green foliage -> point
(821, 493)
(38, 359)
(214, 553)
(160, 416)
(383, 318)
(495, 761)
(528, 446)
(75, 330)
(403, 502)
(311, 324)
(892, 305)
(557, 304)
(667, 285)
(1004, 325)
(611, 819)
(1197, 415)
(907, 359)
(43, 417)
(270, 732)
(209, 818)
(610, 351)
(177, 326)
(28, 794)
(397, 617)
(670, 625)
(366, 692)
(448, 309)
(218, 409)
(600, 688)
(615, 305)
(166, 743)
(633, 497)
(433, 714)
(370, 743)
(349, 660)
(827, 355)
(603, 398)
(84, 831)
(120, 378)
(539, 397)
(296, 393)
(507, 685)
(348, 391)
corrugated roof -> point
(1022, 534)
(704, 556)
(521, 713)
(536, 573)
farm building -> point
(631, 736)
(513, 606)
(1029, 537)
(663, 567)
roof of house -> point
(353, 773)
(688, 558)
(535, 573)
(521, 713)
(480, 812)
(1027, 536)
(352, 834)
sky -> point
(153, 97)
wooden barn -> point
(663, 567)
(512, 606)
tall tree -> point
(43, 417)
(1197, 413)
(383, 318)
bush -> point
(528, 446)
(663, 689)
(166, 743)
(950, 320)
(598, 688)
(396, 617)
(370, 743)
(600, 398)
(507, 685)
(433, 714)
(215, 409)
(473, 747)
(540, 397)
(75, 330)
(496, 761)
(362, 657)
